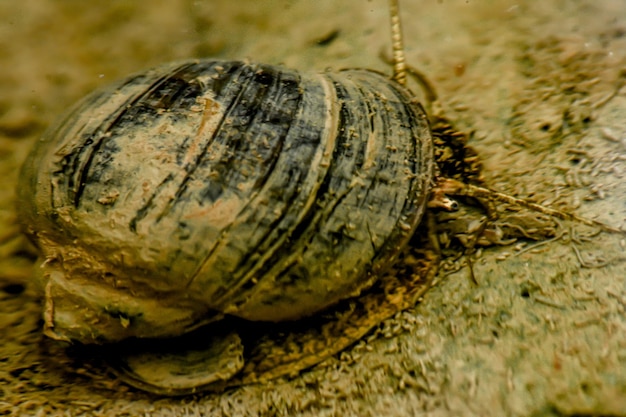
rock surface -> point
(538, 82)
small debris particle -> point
(548, 302)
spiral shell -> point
(205, 188)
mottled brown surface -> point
(542, 334)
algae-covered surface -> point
(542, 331)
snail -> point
(183, 203)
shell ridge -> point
(273, 160)
(82, 172)
(387, 96)
(190, 168)
(316, 230)
(420, 165)
(293, 200)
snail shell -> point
(205, 188)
